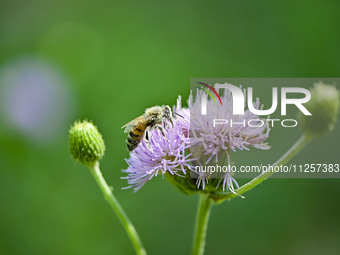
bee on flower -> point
(174, 151)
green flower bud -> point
(324, 107)
(86, 143)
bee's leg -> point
(147, 140)
(162, 131)
(147, 135)
(172, 123)
(166, 123)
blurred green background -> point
(107, 61)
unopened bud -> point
(86, 143)
(324, 107)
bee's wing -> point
(133, 123)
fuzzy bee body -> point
(137, 129)
(136, 134)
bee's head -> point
(167, 113)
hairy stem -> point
(201, 225)
(111, 199)
(299, 144)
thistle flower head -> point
(192, 141)
(163, 155)
(211, 142)
(324, 107)
(86, 143)
(232, 135)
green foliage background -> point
(122, 57)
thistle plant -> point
(184, 146)
(87, 147)
(191, 141)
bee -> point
(152, 118)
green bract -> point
(324, 107)
(86, 143)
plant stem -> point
(111, 199)
(202, 218)
(299, 144)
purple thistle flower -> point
(193, 140)
(163, 154)
(209, 142)
(239, 136)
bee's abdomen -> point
(134, 138)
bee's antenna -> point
(178, 114)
